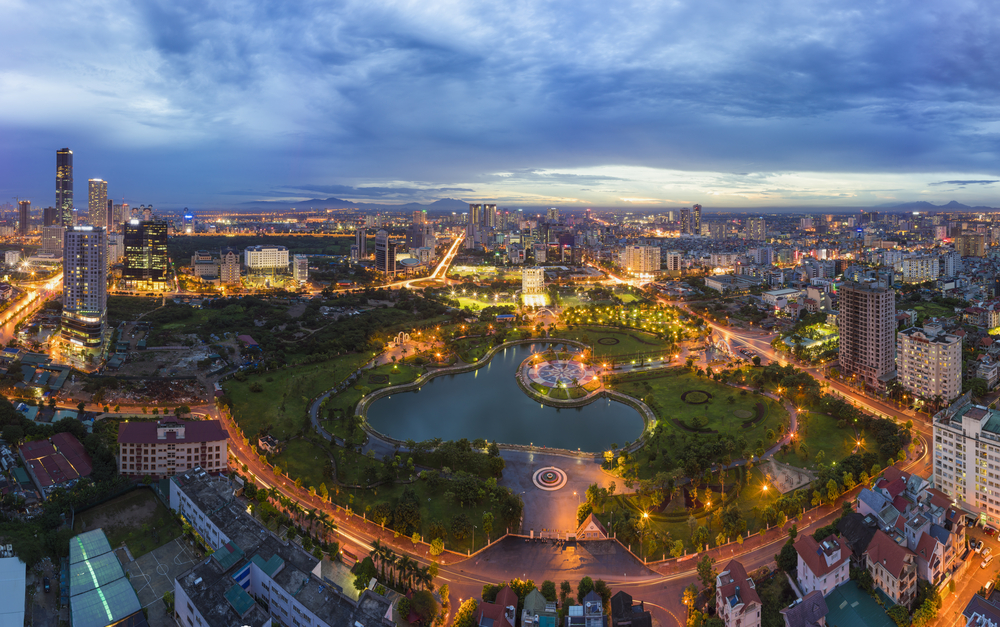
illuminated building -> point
(696, 219)
(361, 241)
(685, 221)
(867, 321)
(641, 260)
(385, 254)
(929, 362)
(64, 186)
(145, 254)
(85, 285)
(50, 217)
(300, 269)
(265, 258)
(229, 267)
(23, 217)
(971, 245)
(52, 240)
(757, 229)
(97, 207)
(533, 287)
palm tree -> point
(376, 552)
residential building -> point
(966, 442)
(822, 565)
(929, 362)
(673, 260)
(501, 613)
(893, 568)
(736, 600)
(171, 446)
(85, 285)
(300, 269)
(385, 254)
(724, 260)
(809, 611)
(625, 613)
(685, 221)
(252, 578)
(971, 245)
(50, 217)
(641, 260)
(23, 217)
(867, 323)
(64, 186)
(553, 215)
(52, 240)
(361, 241)
(757, 229)
(532, 281)
(591, 529)
(590, 614)
(265, 258)
(538, 611)
(989, 371)
(982, 611)
(97, 205)
(116, 248)
(920, 269)
(229, 267)
(696, 219)
(146, 261)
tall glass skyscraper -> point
(64, 186)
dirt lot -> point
(137, 519)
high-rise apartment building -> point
(97, 206)
(918, 269)
(532, 281)
(23, 217)
(553, 215)
(867, 321)
(146, 261)
(475, 214)
(696, 219)
(229, 266)
(52, 240)
(971, 245)
(685, 221)
(419, 216)
(637, 260)
(757, 229)
(50, 217)
(119, 215)
(85, 285)
(385, 254)
(929, 362)
(966, 441)
(361, 241)
(64, 186)
(300, 269)
(673, 259)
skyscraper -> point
(361, 241)
(50, 217)
(475, 214)
(85, 285)
(696, 220)
(23, 217)
(385, 254)
(685, 221)
(867, 321)
(420, 216)
(97, 205)
(757, 229)
(64, 186)
(145, 253)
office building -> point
(52, 240)
(171, 446)
(971, 245)
(146, 262)
(97, 206)
(929, 362)
(64, 186)
(385, 254)
(685, 221)
(50, 217)
(867, 322)
(204, 265)
(757, 229)
(252, 578)
(641, 260)
(532, 281)
(116, 248)
(23, 217)
(262, 258)
(420, 236)
(229, 266)
(361, 241)
(300, 269)
(119, 214)
(696, 219)
(553, 215)
(85, 285)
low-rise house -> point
(591, 529)
(893, 568)
(590, 614)
(736, 600)
(822, 565)
(809, 611)
(624, 613)
(500, 613)
(538, 611)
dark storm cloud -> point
(234, 94)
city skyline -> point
(659, 106)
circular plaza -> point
(555, 373)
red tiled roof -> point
(892, 473)
(902, 504)
(36, 449)
(194, 431)
(73, 451)
(812, 553)
(495, 611)
(926, 546)
(586, 523)
(939, 498)
(895, 488)
(885, 551)
(59, 459)
(737, 577)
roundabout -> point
(549, 478)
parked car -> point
(986, 562)
(987, 550)
(977, 545)
(45, 583)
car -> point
(986, 562)
(987, 551)
(977, 546)
(45, 583)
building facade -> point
(300, 269)
(385, 254)
(971, 245)
(361, 241)
(64, 186)
(263, 258)
(639, 260)
(736, 600)
(966, 447)
(52, 240)
(170, 446)
(532, 281)
(23, 217)
(893, 568)
(85, 285)
(146, 261)
(929, 362)
(822, 566)
(757, 229)
(867, 323)
(229, 267)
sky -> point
(204, 103)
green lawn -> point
(282, 404)
(628, 340)
(343, 404)
(473, 349)
(820, 433)
(931, 310)
(138, 518)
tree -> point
(583, 588)
(12, 434)
(488, 525)
(690, 596)
(899, 615)
(707, 574)
(832, 490)
(565, 589)
(787, 559)
(422, 602)
(324, 492)
(678, 549)
(437, 547)
(466, 614)
(548, 590)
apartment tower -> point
(23, 217)
(85, 285)
(97, 205)
(867, 321)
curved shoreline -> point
(648, 418)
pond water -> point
(487, 403)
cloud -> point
(380, 192)
(964, 183)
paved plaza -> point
(560, 372)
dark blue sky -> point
(739, 103)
